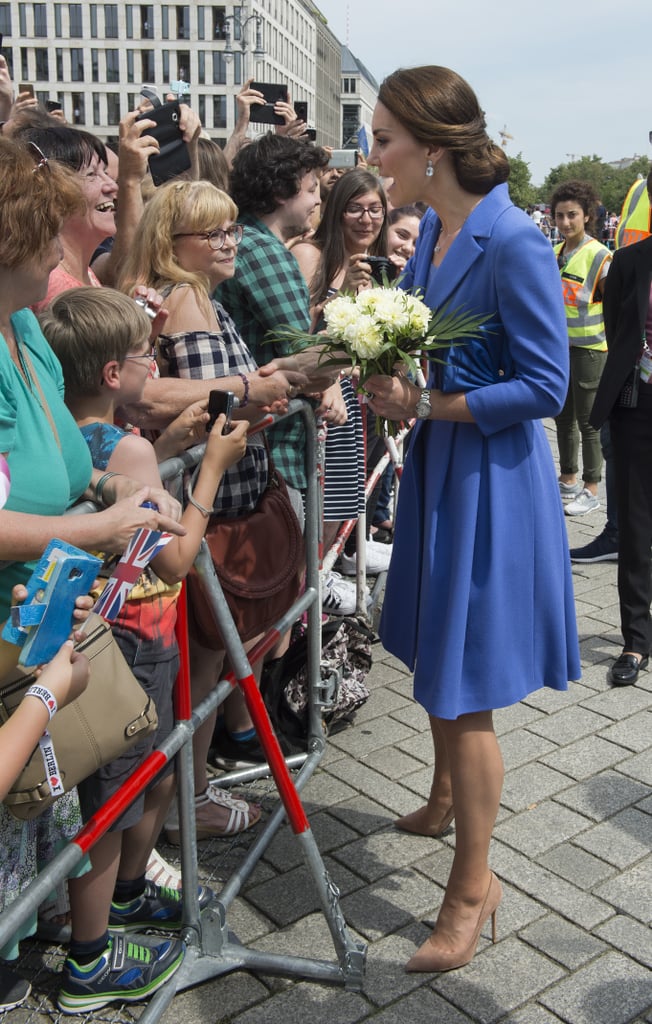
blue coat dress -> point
(479, 597)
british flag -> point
(142, 548)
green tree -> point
(611, 183)
(521, 189)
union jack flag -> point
(142, 548)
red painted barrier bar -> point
(182, 698)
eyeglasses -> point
(40, 159)
(149, 356)
(355, 210)
(217, 238)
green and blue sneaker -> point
(158, 907)
(125, 972)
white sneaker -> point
(377, 560)
(338, 595)
(585, 502)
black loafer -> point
(625, 670)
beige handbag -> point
(112, 714)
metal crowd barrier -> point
(213, 950)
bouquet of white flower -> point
(379, 329)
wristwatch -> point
(423, 406)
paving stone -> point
(576, 866)
(498, 980)
(529, 784)
(310, 936)
(629, 936)
(391, 903)
(586, 757)
(372, 735)
(515, 717)
(522, 746)
(611, 990)
(531, 1014)
(562, 941)
(619, 702)
(320, 1004)
(363, 815)
(232, 993)
(421, 1007)
(538, 829)
(286, 852)
(603, 796)
(293, 894)
(383, 852)
(569, 725)
(622, 840)
(631, 891)
(411, 714)
(633, 732)
(386, 978)
(419, 745)
(383, 702)
(638, 767)
(394, 763)
(372, 784)
(551, 701)
(585, 909)
(323, 789)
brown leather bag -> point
(259, 561)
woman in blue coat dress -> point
(479, 599)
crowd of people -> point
(97, 389)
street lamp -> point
(259, 50)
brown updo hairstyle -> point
(439, 108)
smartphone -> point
(272, 93)
(26, 87)
(343, 158)
(301, 109)
(173, 157)
(218, 402)
(382, 269)
(51, 105)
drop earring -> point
(430, 170)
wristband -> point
(245, 397)
(100, 485)
(45, 695)
(206, 512)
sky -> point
(566, 81)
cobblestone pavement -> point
(571, 846)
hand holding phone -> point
(173, 156)
(221, 402)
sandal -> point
(162, 873)
(217, 814)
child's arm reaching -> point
(187, 429)
(137, 456)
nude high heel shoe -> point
(414, 823)
(428, 958)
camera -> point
(140, 300)
(272, 93)
(382, 269)
(221, 402)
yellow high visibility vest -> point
(579, 279)
(635, 218)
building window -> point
(165, 23)
(77, 64)
(58, 53)
(24, 64)
(183, 65)
(219, 111)
(183, 22)
(201, 68)
(130, 66)
(42, 66)
(76, 26)
(93, 14)
(22, 19)
(350, 122)
(97, 118)
(237, 68)
(78, 113)
(201, 31)
(201, 108)
(219, 69)
(165, 58)
(112, 65)
(147, 69)
(146, 21)
(5, 19)
(237, 23)
(40, 21)
(111, 21)
(129, 20)
(95, 66)
(219, 23)
(112, 108)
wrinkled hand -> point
(394, 398)
(189, 123)
(269, 388)
(155, 300)
(304, 370)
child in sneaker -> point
(102, 340)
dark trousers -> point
(631, 437)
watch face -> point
(423, 406)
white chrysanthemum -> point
(418, 315)
(364, 337)
(339, 314)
